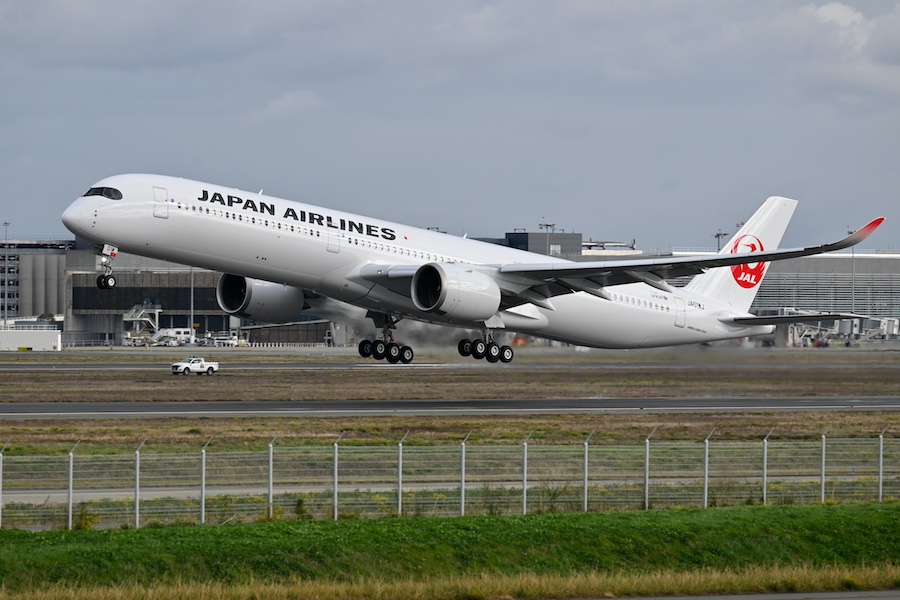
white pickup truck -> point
(196, 365)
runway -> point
(462, 407)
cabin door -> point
(160, 202)
(679, 312)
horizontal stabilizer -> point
(785, 319)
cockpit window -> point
(106, 192)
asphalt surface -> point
(463, 407)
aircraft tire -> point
(109, 282)
(365, 348)
(393, 353)
(101, 282)
(479, 349)
(406, 355)
(506, 354)
(379, 350)
(492, 352)
(465, 347)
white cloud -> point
(288, 106)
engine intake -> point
(455, 292)
(257, 300)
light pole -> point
(719, 235)
(6, 225)
(547, 227)
(852, 276)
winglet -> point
(864, 232)
(857, 236)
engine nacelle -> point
(455, 292)
(257, 300)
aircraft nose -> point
(74, 217)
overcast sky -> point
(663, 121)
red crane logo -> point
(748, 275)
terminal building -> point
(52, 285)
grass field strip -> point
(349, 481)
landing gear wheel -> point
(465, 347)
(406, 355)
(365, 348)
(506, 354)
(106, 282)
(493, 352)
(379, 349)
(393, 353)
(479, 349)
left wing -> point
(592, 276)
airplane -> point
(279, 257)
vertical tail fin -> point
(737, 286)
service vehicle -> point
(194, 364)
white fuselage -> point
(324, 250)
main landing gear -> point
(386, 348)
(107, 254)
(485, 348)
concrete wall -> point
(37, 340)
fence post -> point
(335, 477)
(765, 468)
(525, 475)
(272, 478)
(584, 500)
(647, 471)
(706, 469)
(822, 474)
(880, 464)
(2, 450)
(400, 475)
(137, 486)
(462, 476)
(71, 492)
(203, 482)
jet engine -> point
(257, 300)
(455, 292)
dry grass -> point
(190, 434)
(527, 586)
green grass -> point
(400, 550)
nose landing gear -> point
(107, 254)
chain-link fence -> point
(348, 481)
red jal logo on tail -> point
(748, 275)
